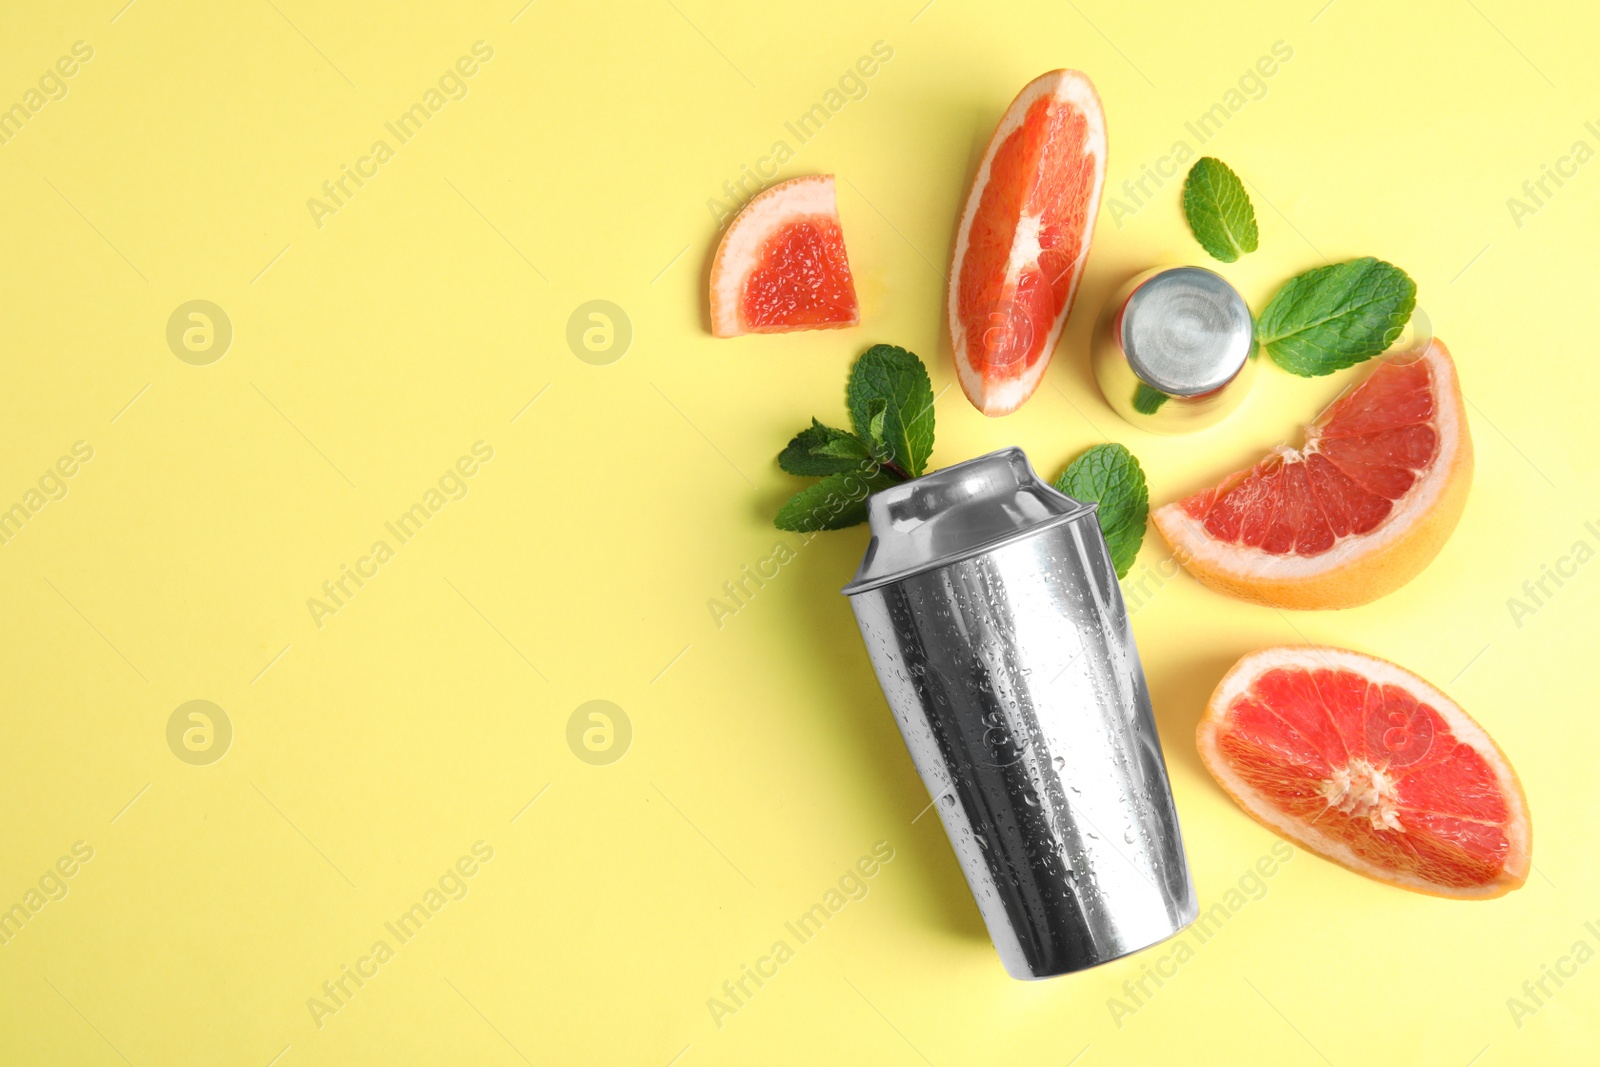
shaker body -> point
(1014, 678)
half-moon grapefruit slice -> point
(782, 266)
(1024, 238)
(1354, 513)
(1366, 764)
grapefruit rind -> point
(1518, 828)
(1360, 568)
(1075, 89)
(740, 249)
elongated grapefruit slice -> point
(782, 266)
(1354, 513)
(1366, 764)
(1024, 238)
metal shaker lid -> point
(1186, 331)
(956, 513)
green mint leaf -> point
(891, 410)
(1147, 400)
(838, 501)
(1219, 210)
(890, 384)
(1334, 317)
(1109, 476)
(821, 450)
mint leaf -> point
(890, 384)
(1147, 400)
(1334, 317)
(822, 450)
(891, 409)
(1219, 210)
(839, 500)
(1109, 476)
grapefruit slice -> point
(781, 265)
(1366, 764)
(1024, 238)
(1354, 513)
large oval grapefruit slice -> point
(1354, 513)
(1024, 238)
(782, 266)
(1366, 764)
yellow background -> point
(371, 352)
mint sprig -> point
(1219, 210)
(890, 400)
(1110, 476)
(1336, 316)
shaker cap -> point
(1186, 331)
(956, 513)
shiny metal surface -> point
(1171, 350)
(996, 627)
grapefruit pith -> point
(1354, 513)
(781, 265)
(1366, 764)
(1024, 238)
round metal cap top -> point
(1186, 331)
(956, 513)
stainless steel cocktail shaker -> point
(995, 624)
(1171, 351)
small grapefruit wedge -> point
(1366, 764)
(782, 266)
(1024, 238)
(1354, 513)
